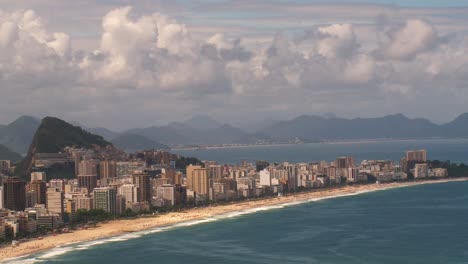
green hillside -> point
(52, 136)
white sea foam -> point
(53, 253)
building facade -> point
(105, 199)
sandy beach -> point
(113, 228)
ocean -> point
(419, 224)
(455, 150)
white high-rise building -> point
(352, 174)
(420, 170)
(265, 178)
(167, 192)
(55, 201)
(129, 192)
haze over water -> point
(455, 150)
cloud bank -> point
(149, 68)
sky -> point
(122, 64)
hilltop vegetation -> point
(453, 169)
(52, 136)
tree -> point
(94, 215)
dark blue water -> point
(420, 224)
(455, 150)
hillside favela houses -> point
(104, 180)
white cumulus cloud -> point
(150, 63)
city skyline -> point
(74, 186)
(152, 62)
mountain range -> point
(203, 130)
(132, 143)
(17, 135)
(7, 154)
(317, 128)
(306, 128)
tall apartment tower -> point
(174, 177)
(70, 208)
(2, 200)
(107, 169)
(167, 192)
(345, 162)
(215, 171)
(412, 158)
(143, 182)
(57, 183)
(87, 181)
(40, 189)
(88, 167)
(77, 156)
(105, 199)
(129, 192)
(189, 172)
(201, 182)
(55, 200)
(14, 194)
(5, 166)
(87, 174)
(416, 155)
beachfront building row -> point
(219, 182)
(14, 224)
(121, 185)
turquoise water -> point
(420, 224)
(455, 150)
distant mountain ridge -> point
(133, 143)
(7, 154)
(179, 134)
(17, 135)
(313, 128)
(203, 122)
(103, 132)
(457, 128)
(203, 130)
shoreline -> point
(189, 217)
(331, 142)
(235, 146)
